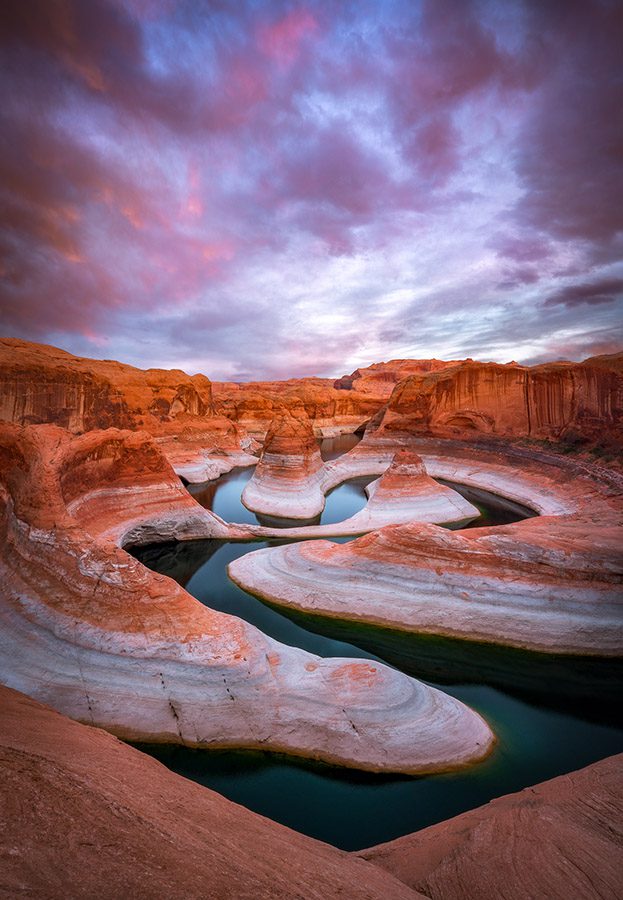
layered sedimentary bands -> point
(254, 405)
(91, 454)
(287, 479)
(548, 401)
(403, 493)
(551, 583)
(88, 629)
(41, 384)
(91, 817)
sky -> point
(259, 190)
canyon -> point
(94, 459)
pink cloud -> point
(281, 40)
(164, 163)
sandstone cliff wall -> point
(255, 404)
(544, 402)
(40, 384)
(380, 379)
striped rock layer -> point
(89, 630)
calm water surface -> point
(551, 714)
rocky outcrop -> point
(86, 816)
(560, 839)
(88, 629)
(552, 583)
(287, 480)
(511, 401)
(380, 379)
(41, 384)
(255, 405)
(404, 493)
(202, 451)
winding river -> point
(551, 714)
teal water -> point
(551, 714)
(223, 498)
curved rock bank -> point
(403, 493)
(87, 816)
(553, 583)
(406, 493)
(89, 630)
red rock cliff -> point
(380, 379)
(256, 404)
(41, 384)
(547, 401)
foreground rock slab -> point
(88, 629)
(86, 816)
(561, 839)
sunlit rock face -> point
(255, 405)
(553, 583)
(406, 493)
(88, 629)
(92, 817)
(41, 384)
(287, 481)
(380, 379)
(403, 493)
(547, 401)
(561, 834)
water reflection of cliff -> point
(177, 559)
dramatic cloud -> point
(280, 188)
(605, 291)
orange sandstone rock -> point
(552, 583)
(287, 481)
(379, 379)
(254, 405)
(559, 839)
(86, 816)
(41, 384)
(88, 629)
(512, 401)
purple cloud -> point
(604, 291)
(290, 188)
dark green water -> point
(551, 714)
